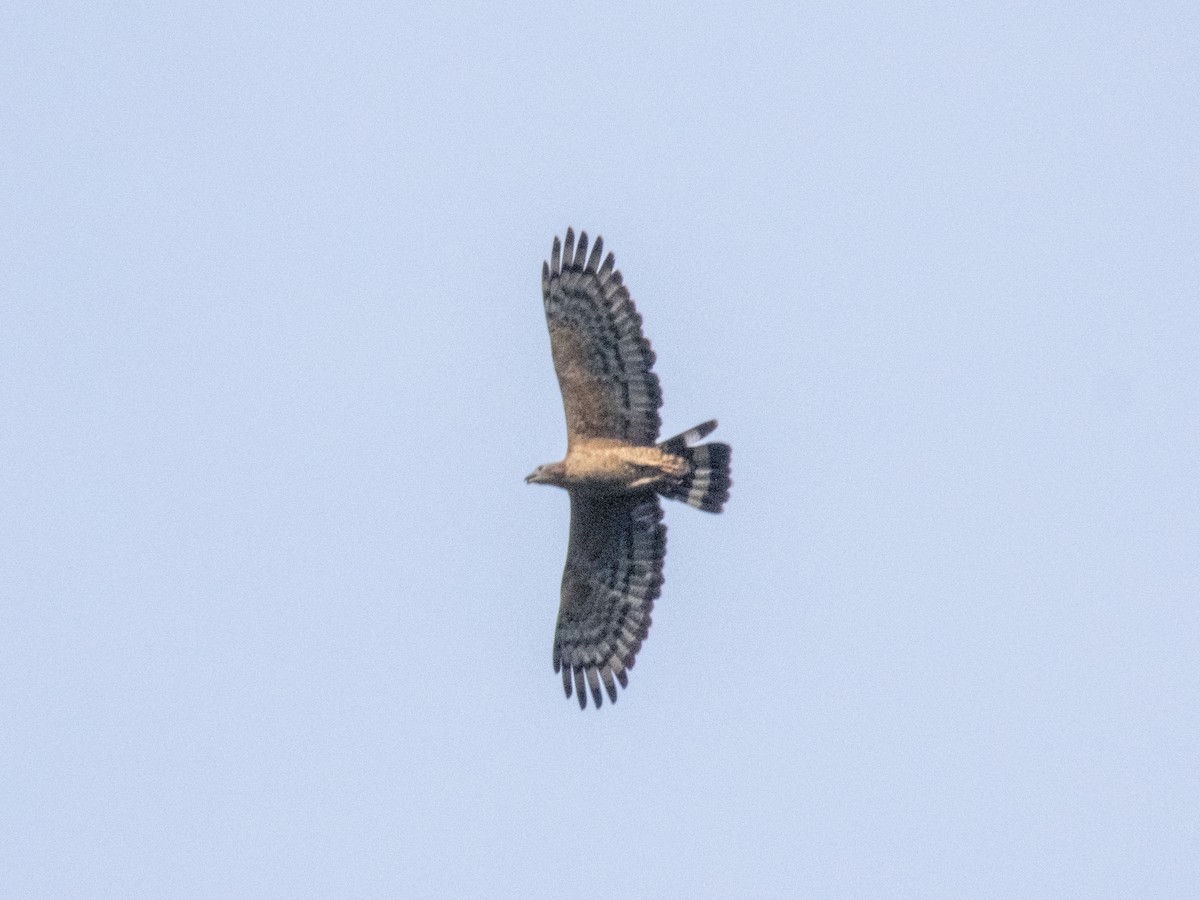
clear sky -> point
(276, 605)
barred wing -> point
(612, 577)
(602, 360)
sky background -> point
(276, 605)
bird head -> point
(551, 473)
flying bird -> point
(615, 469)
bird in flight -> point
(615, 469)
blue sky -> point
(277, 606)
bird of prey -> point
(615, 468)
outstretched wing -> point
(602, 360)
(612, 577)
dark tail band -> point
(706, 485)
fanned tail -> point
(706, 485)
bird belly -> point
(622, 469)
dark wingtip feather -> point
(594, 259)
(580, 250)
(610, 687)
(594, 684)
(568, 257)
(606, 269)
(579, 691)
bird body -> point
(613, 466)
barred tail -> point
(706, 485)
